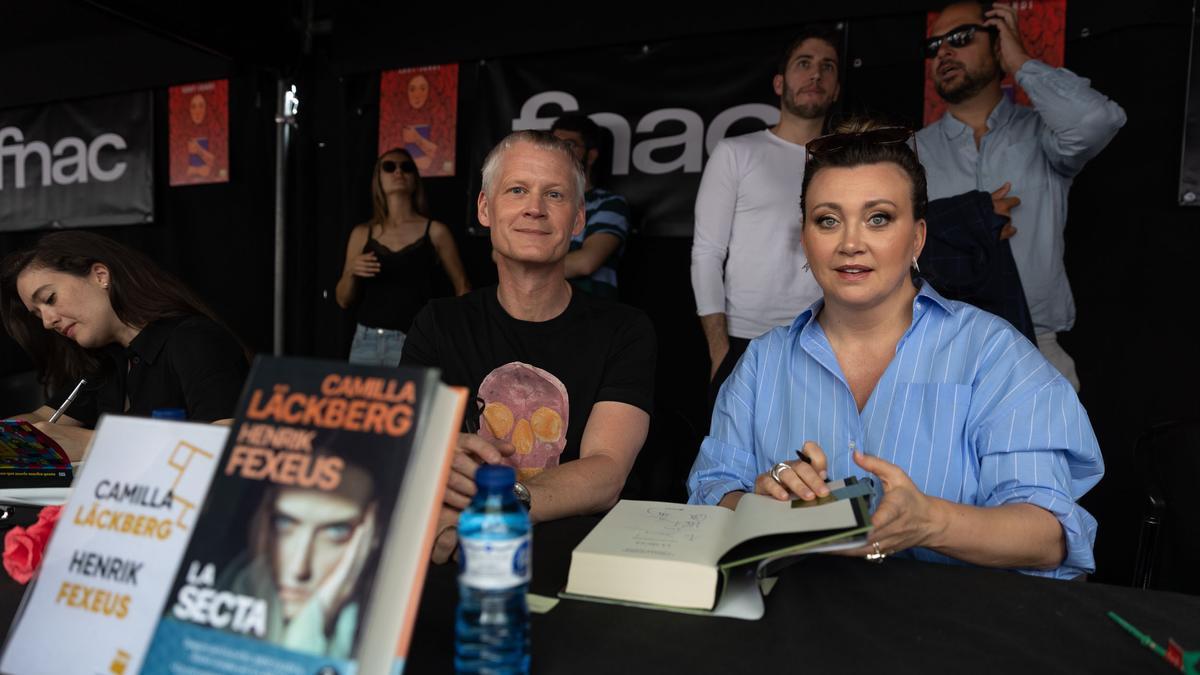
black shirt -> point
(404, 284)
(187, 362)
(531, 374)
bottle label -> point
(493, 564)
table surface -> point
(826, 612)
(836, 614)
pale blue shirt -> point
(1039, 150)
(968, 408)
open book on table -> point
(681, 556)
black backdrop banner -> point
(77, 163)
(665, 106)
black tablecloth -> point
(833, 614)
(826, 614)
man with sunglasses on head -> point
(748, 271)
(1026, 157)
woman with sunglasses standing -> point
(392, 261)
(980, 446)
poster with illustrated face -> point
(198, 116)
(1043, 30)
(418, 114)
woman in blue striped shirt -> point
(981, 446)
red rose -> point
(24, 547)
(44, 527)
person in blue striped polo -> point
(981, 446)
(596, 252)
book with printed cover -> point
(310, 551)
(115, 549)
(30, 458)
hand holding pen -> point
(803, 478)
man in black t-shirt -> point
(561, 382)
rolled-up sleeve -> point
(726, 461)
(1041, 450)
(1079, 121)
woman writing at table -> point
(981, 446)
(84, 306)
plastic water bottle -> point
(492, 623)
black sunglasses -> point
(880, 136)
(407, 166)
(958, 38)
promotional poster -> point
(418, 113)
(199, 132)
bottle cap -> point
(495, 477)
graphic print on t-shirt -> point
(528, 407)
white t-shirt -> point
(746, 255)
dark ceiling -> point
(59, 49)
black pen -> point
(805, 458)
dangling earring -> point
(915, 266)
(806, 267)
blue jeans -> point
(376, 346)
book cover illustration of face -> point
(528, 407)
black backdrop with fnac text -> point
(1126, 235)
(83, 163)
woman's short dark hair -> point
(140, 292)
(859, 147)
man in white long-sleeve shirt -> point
(748, 271)
(985, 141)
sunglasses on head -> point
(407, 166)
(880, 136)
(958, 38)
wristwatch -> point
(522, 493)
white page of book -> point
(758, 516)
(112, 559)
(661, 531)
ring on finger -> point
(876, 555)
(777, 469)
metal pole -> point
(288, 107)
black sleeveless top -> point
(404, 284)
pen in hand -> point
(67, 403)
(806, 459)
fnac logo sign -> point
(70, 160)
(694, 142)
